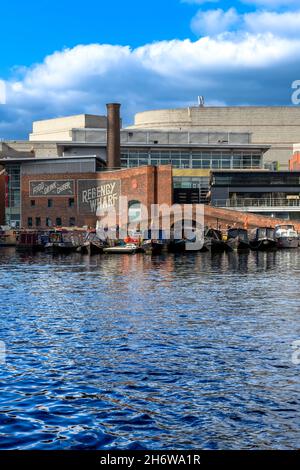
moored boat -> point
(286, 236)
(96, 247)
(154, 242)
(92, 245)
(153, 247)
(8, 236)
(127, 249)
(214, 241)
(237, 239)
(58, 244)
(177, 246)
(263, 239)
(31, 241)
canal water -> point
(139, 352)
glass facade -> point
(206, 159)
(12, 203)
(267, 178)
(190, 189)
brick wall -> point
(224, 217)
(146, 184)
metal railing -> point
(247, 202)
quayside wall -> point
(214, 216)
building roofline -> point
(255, 170)
(195, 106)
(40, 160)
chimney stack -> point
(113, 136)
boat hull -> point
(176, 246)
(287, 242)
(236, 244)
(119, 251)
(153, 247)
(59, 249)
(263, 245)
(218, 246)
(29, 248)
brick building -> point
(70, 164)
(68, 191)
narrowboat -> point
(153, 247)
(154, 242)
(58, 244)
(96, 247)
(8, 236)
(177, 246)
(263, 239)
(237, 239)
(31, 241)
(92, 245)
(286, 236)
(214, 241)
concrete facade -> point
(193, 127)
(60, 129)
(275, 126)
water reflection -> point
(182, 351)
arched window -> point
(134, 211)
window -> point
(134, 211)
(37, 221)
(48, 222)
(50, 202)
(58, 222)
(32, 202)
(71, 202)
(72, 222)
(29, 221)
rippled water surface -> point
(134, 352)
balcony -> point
(259, 205)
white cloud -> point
(214, 22)
(2, 92)
(271, 3)
(229, 68)
(282, 24)
(261, 3)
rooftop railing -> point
(256, 203)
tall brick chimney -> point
(113, 135)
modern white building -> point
(277, 126)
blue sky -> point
(31, 30)
(59, 58)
